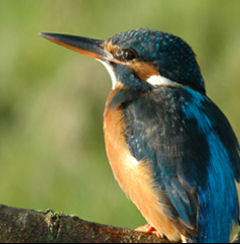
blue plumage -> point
(187, 140)
(218, 200)
(176, 141)
(189, 158)
(220, 194)
(125, 74)
(174, 57)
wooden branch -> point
(22, 225)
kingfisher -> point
(171, 149)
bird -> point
(172, 150)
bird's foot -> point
(149, 229)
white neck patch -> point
(111, 73)
(158, 80)
(155, 80)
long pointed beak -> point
(87, 46)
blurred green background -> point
(51, 99)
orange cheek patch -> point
(110, 47)
(143, 69)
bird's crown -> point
(157, 53)
(140, 59)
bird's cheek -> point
(129, 78)
(143, 69)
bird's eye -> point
(129, 54)
(125, 54)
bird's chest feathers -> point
(135, 177)
(129, 172)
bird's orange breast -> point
(134, 177)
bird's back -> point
(171, 149)
(188, 145)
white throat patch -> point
(155, 80)
(111, 72)
(158, 80)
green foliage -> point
(51, 99)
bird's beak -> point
(87, 46)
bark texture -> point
(23, 225)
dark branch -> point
(22, 225)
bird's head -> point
(140, 59)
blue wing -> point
(194, 156)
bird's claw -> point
(149, 229)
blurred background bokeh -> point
(51, 99)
